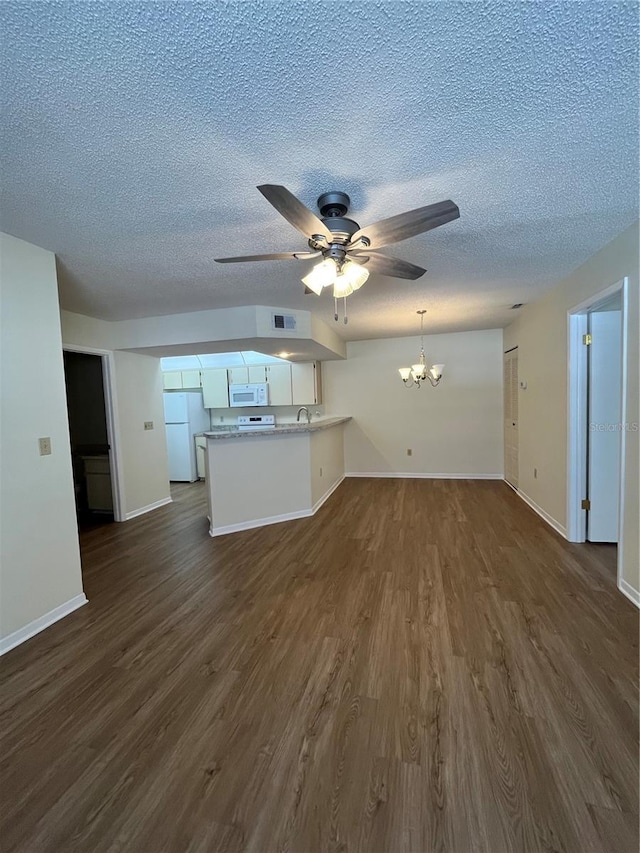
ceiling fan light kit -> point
(349, 253)
(420, 372)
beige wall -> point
(39, 557)
(326, 461)
(266, 478)
(145, 473)
(257, 478)
(87, 331)
(454, 429)
(540, 333)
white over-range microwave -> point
(256, 394)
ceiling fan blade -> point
(407, 224)
(280, 256)
(384, 265)
(294, 211)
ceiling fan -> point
(348, 253)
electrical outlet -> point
(45, 446)
(148, 424)
(409, 451)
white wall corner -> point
(551, 521)
(326, 495)
(27, 631)
(148, 508)
(258, 522)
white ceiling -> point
(134, 135)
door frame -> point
(504, 421)
(111, 411)
(577, 437)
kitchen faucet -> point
(306, 411)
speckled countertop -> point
(283, 429)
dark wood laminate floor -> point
(422, 666)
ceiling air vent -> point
(517, 305)
(284, 322)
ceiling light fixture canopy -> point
(417, 373)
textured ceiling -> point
(134, 135)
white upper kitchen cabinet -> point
(176, 379)
(238, 375)
(215, 391)
(306, 383)
(172, 379)
(257, 373)
(191, 379)
(279, 379)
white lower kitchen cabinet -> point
(97, 473)
(215, 390)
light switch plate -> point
(45, 446)
(148, 424)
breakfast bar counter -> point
(265, 476)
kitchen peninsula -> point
(265, 476)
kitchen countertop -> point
(282, 429)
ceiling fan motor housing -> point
(334, 203)
(333, 206)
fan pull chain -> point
(335, 308)
(345, 319)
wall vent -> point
(283, 322)
(517, 305)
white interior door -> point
(605, 402)
(511, 417)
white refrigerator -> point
(184, 417)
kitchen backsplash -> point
(284, 414)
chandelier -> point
(419, 372)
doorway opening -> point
(91, 435)
(597, 348)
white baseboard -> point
(413, 476)
(274, 519)
(631, 593)
(143, 509)
(551, 521)
(258, 522)
(33, 628)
